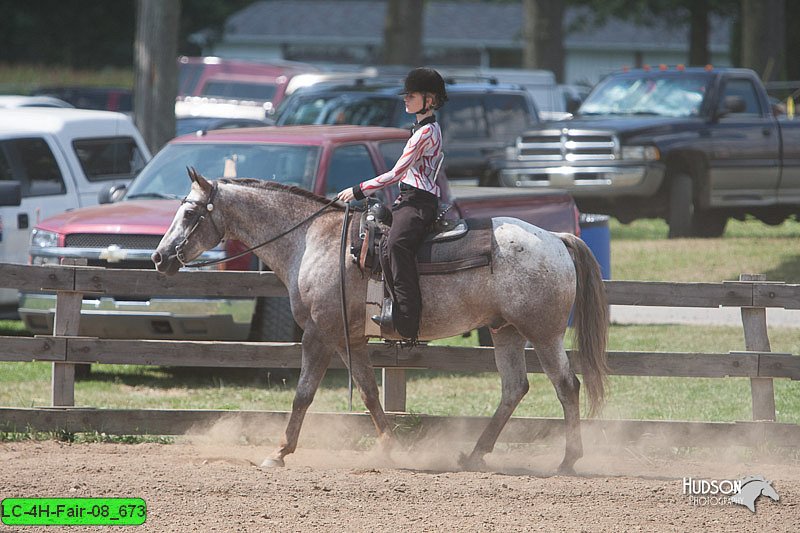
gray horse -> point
(525, 296)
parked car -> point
(693, 146)
(478, 121)
(60, 159)
(184, 125)
(99, 98)
(14, 101)
(217, 80)
(322, 159)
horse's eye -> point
(188, 213)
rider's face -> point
(413, 101)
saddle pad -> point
(470, 251)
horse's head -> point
(769, 492)
(193, 230)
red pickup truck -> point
(323, 159)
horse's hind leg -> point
(316, 357)
(509, 354)
(556, 365)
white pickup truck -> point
(53, 160)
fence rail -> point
(65, 349)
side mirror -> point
(112, 193)
(10, 193)
(731, 104)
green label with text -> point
(73, 511)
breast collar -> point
(418, 125)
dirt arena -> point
(202, 484)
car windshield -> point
(343, 109)
(165, 175)
(668, 96)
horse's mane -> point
(274, 185)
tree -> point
(695, 13)
(764, 37)
(543, 34)
(156, 71)
(402, 34)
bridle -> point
(207, 209)
(202, 210)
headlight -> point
(640, 153)
(43, 239)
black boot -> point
(384, 320)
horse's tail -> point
(590, 320)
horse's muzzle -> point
(166, 265)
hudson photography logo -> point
(745, 491)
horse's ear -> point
(198, 178)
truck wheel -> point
(709, 223)
(681, 206)
(273, 321)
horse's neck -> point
(253, 217)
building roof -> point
(447, 23)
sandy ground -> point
(202, 485)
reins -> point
(210, 207)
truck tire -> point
(709, 223)
(681, 206)
(273, 321)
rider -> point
(415, 209)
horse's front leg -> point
(315, 361)
(364, 377)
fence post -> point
(394, 389)
(67, 321)
(756, 339)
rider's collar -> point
(427, 120)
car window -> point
(302, 111)
(188, 76)
(745, 90)
(349, 165)
(239, 90)
(508, 114)
(109, 158)
(362, 112)
(5, 167)
(463, 118)
(32, 163)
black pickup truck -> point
(694, 146)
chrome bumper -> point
(156, 318)
(579, 180)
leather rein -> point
(205, 210)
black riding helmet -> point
(427, 81)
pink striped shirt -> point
(417, 165)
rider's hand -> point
(346, 195)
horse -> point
(526, 295)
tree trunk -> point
(402, 33)
(544, 36)
(764, 37)
(156, 74)
(699, 54)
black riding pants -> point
(412, 217)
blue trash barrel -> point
(597, 235)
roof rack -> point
(454, 79)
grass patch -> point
(641, 251)
(21, 79)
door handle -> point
(767, 132)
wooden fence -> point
(65, 349)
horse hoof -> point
(470, 463)
(270, 462)
(565, 470)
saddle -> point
(452, 245)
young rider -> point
(416, 207)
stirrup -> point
(384, 320)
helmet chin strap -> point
(425, 108)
